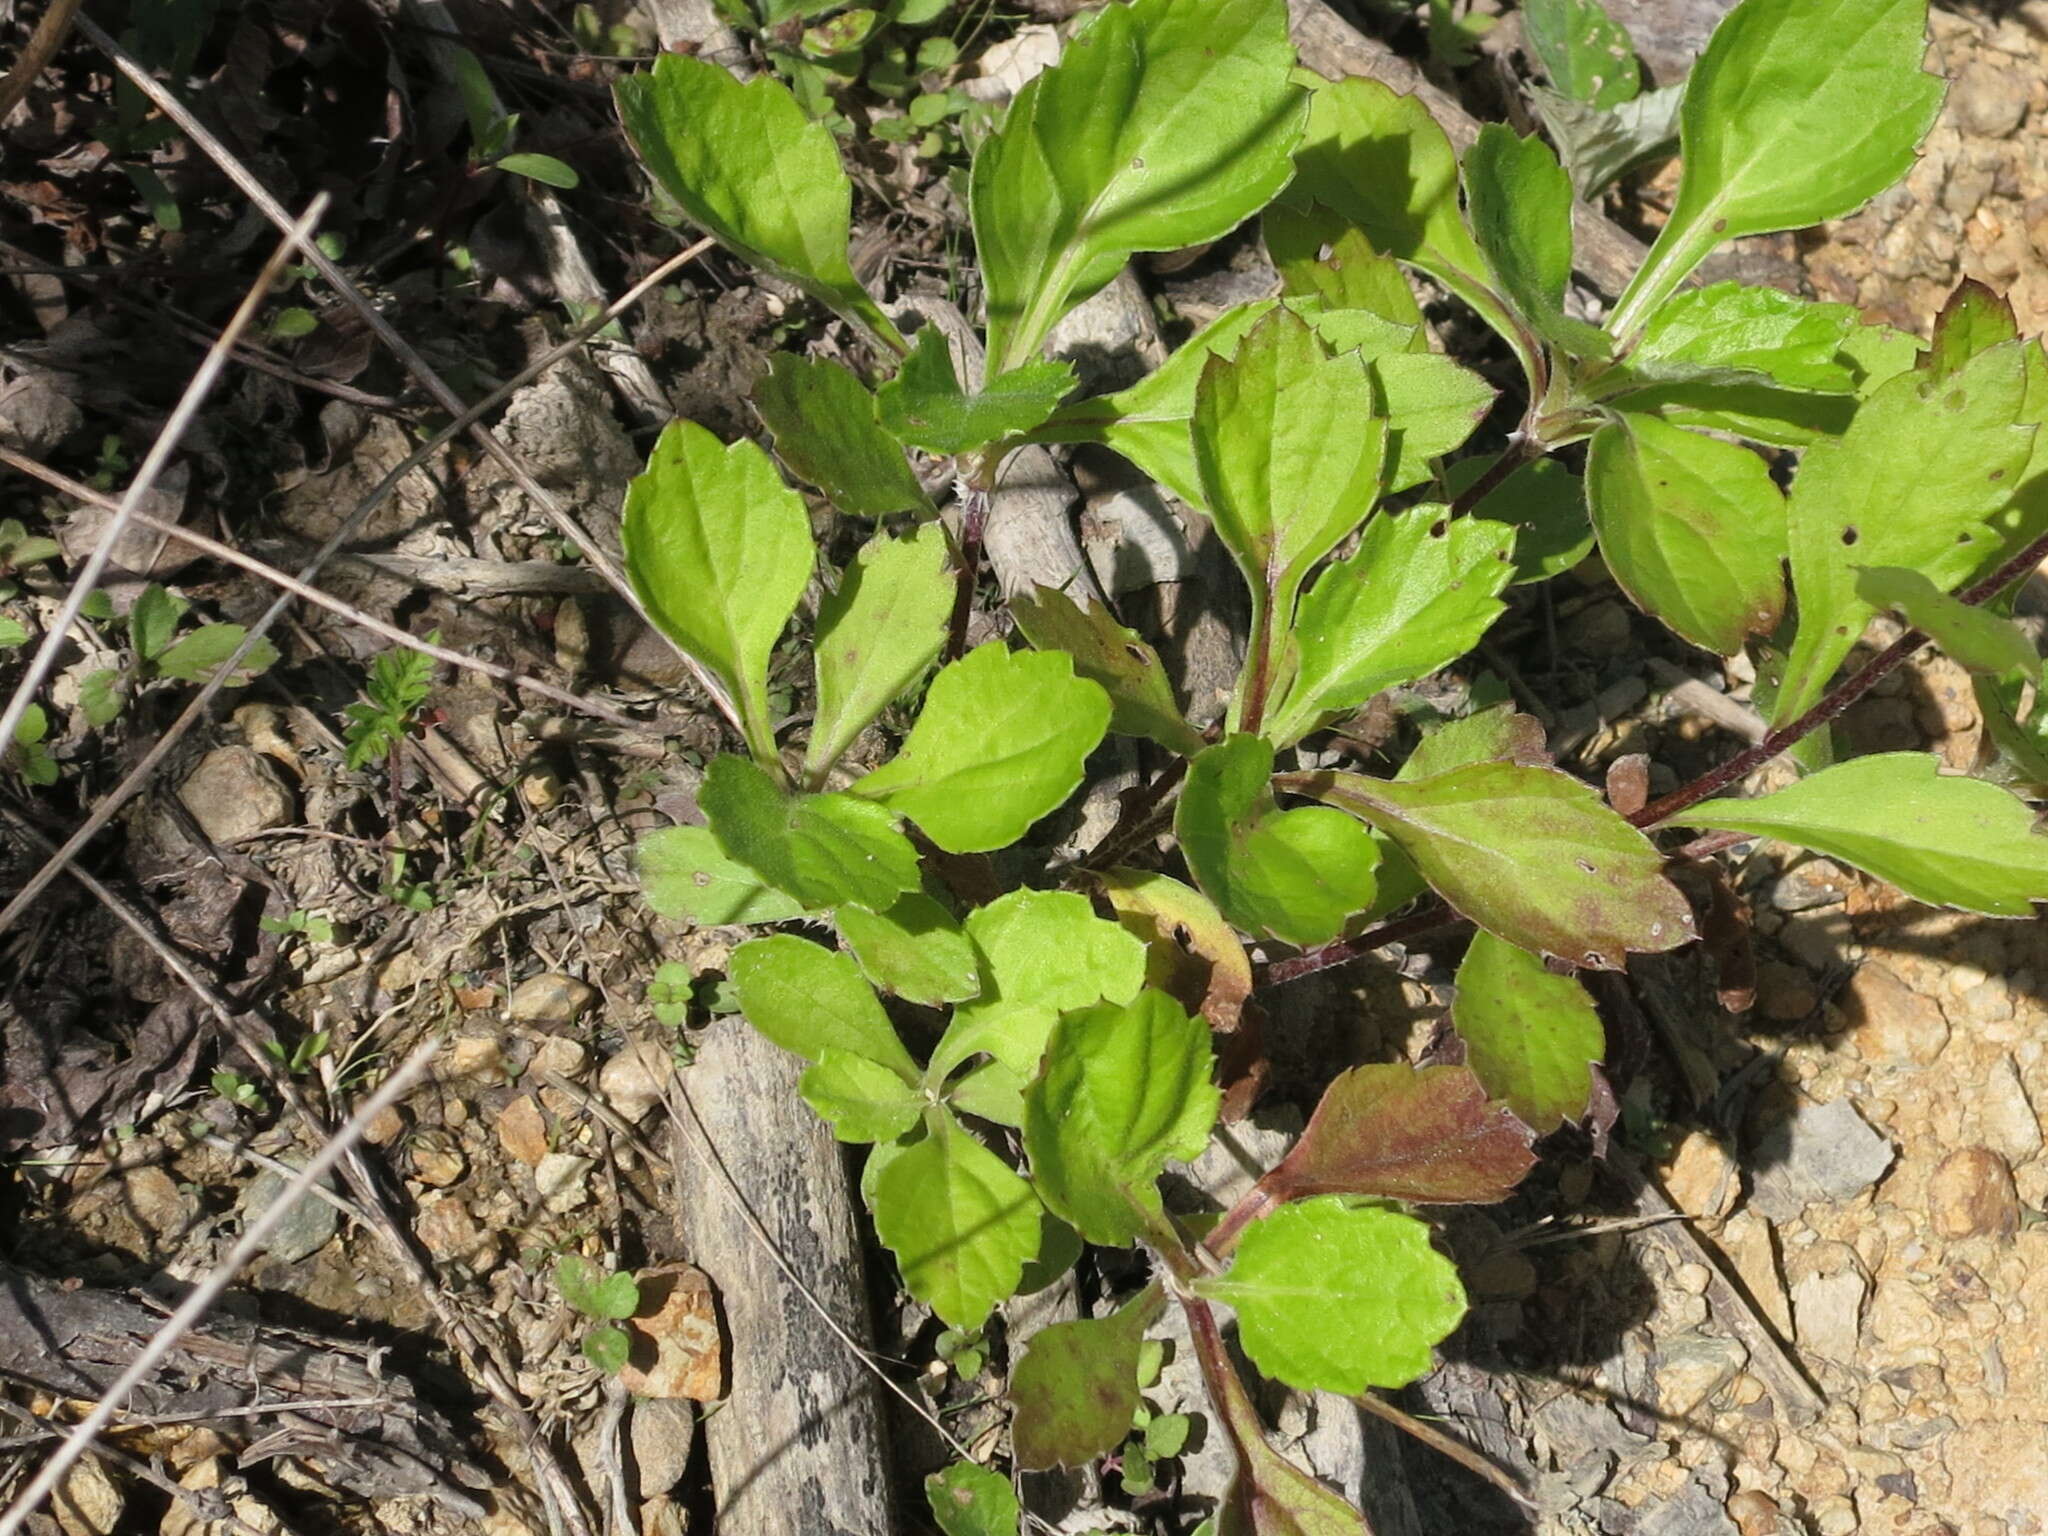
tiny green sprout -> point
(965, 1350)
(607, 1298)
(238, 1091)
(670, 992)
(28, 756)
(300, 1057)
(395, 687)
(413, 895)
(311, 925)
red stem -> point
(973, 518)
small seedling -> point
(28, 756)
(670, 992)
(311, 925)
(238, 1091)
(413, 895)
(607, 1298)
(300, 1058)
(397, 684)
(158, 651)
(492, 132)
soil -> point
(1844, 1334)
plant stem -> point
(1836, 699)
(1132, 824)
(1521, 449)
(1294, 967)
(973, 519)
(1248, 709)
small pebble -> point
(550, 998)
(1972, 1195)
(563, 1180)
(435, 1163)
(631, 1082)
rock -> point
(1827, 1310)
(563, 1180)
(1820, 940)
(1692, 1367)
(662, 1432)
(477, 1057)
(2002, 1481)
(631, 1083)
(1834, 1516)
(1971, 1195)
(676, 1342)
(155, 1200)
(234, 793)
(1703, 1180)
(306, 1228)
(1809, 884)
(1889, 1023)
(211, 1479)
(1757, 1514)
(561, 1056)
(1987, 101)
(550, 998)
(87, 1502)
(1987, 1002)
(2010, 1126)
(1784, 993)
(523, 1130)
(436, 1160)
(385, 1127)
(450, 1231)
(1815, 1152)
(1696, 1510)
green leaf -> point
(1794, 114)
(153, 620)
(1496, 735)
(1430, 403)
(12, 632)
(1042, 953)
(1529, 854)
(608, 1348)
(1600, 146)
(1417, 595)
(1321, 256)
(1000, 743)
(1123, 1090)
(1951, 842)
(1911, 483)
(1544, 502)
(1167, 1435)
(1115, 659)
(960, 1221)
(970, 1500)
(1289, 458)
(719, 551)
(1190, 952)
(1397, 1132)
(914, 950)
(1519, 200)
(684, 873)
(542, 168)
(1330, 1257)
(828, 433)
(749, 167)
(862, 1099)
(1076, 1387)
(925, 406)
(1294, 874)
(1163, 125)
(197, 656)
(1531, 1037)
(1973, 321)
(809, 999)
(1382, 162)
(594, 1293)
(876, 636)
(1692, 528)
(821, 850)
(1586, 53)
(1975, 638)
(1795, 342)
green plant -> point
(670, 993)
(238, 1091)
(1312, 431)
(28, 756)
(397, 685)
(607, 1299)
(1595, 108)
(158, 651)
(312, 925)
(493, 131)
(300, 1057)
(413, 895)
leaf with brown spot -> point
(1076, 1389)
(1397, 1132)
(1529, 854)
(1191, 953)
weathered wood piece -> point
(797, 1448)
